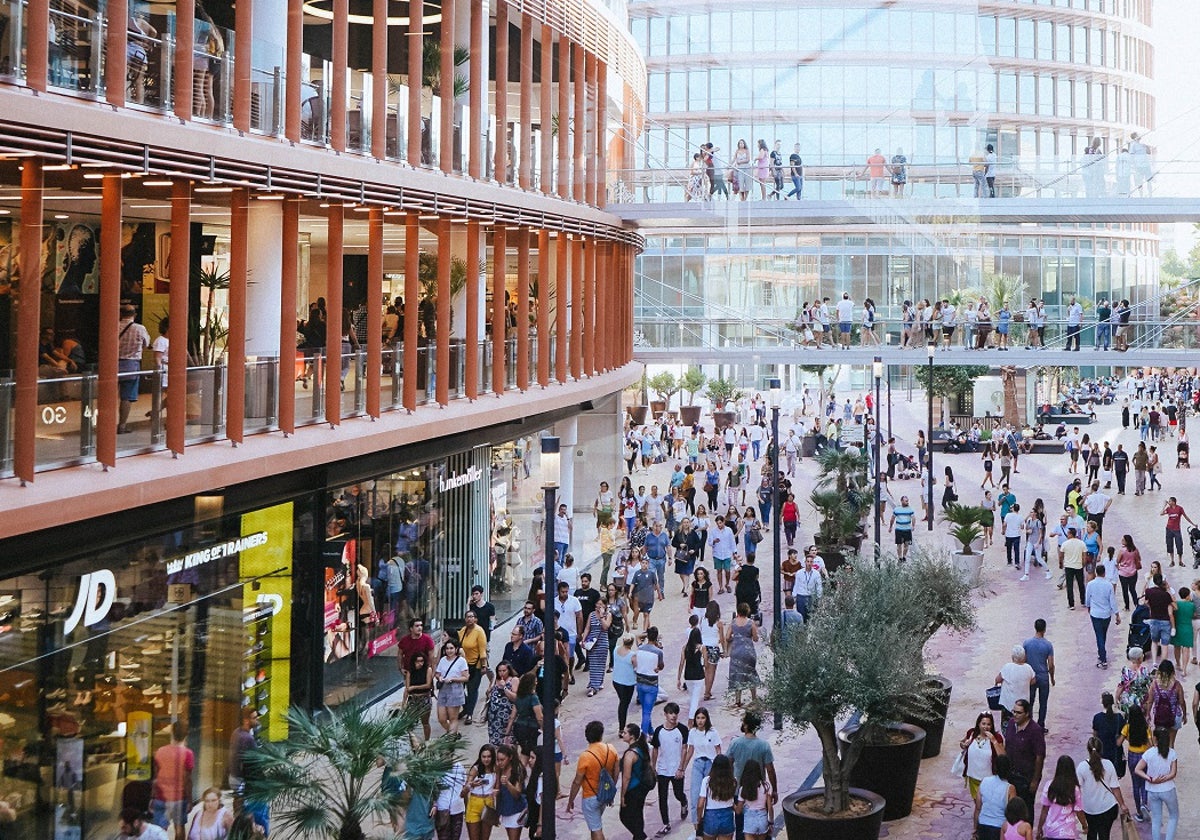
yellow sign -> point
(260, 563)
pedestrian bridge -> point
(892, 355)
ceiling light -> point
(93, 176)
(271, 197)
(214, 189)
(4, 212)
(61, 216)
(158, 183)
(57, 167)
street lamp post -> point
(550, 479)
(773, 390)
(877, 369)
(930, 349)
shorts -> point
(1174, 542)
(720, 565)
(517, 820)
(645, 606)
(877, 185)
(844, 327)
(904, 536)
(165, 812)
(754, 821)
(593, 813)
(128, 385)
(714, 654)
(1160, 631)
(947, 331)
(475, 806)
(717, 821)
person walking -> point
(1039, 654)
(1129, 563)
(595, 645)
(1175, 513)
(647, 662)
(597, 757)
(1070, 560)
(703, 746)
(1025, 745)
(1135, 736)
(1158, 767)
(624, 677)
(1061, 805)
(637, 776)
(667, 756)
(1101, 602)
(992, 796)
(718, 801)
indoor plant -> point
(966, 528)
(690, 383)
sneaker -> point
(683, 812)
(1048, 576)
(1024, 577)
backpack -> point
(1164, 706)
(606, 789)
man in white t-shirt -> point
(562, 533)
(666, 754)
(569, 612)
(1014, 525)
(757, 435)
(845, 316)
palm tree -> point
(321, 781)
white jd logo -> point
(97, 591)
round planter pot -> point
(657, 407)
(802, 825)
(689, 414)
(934, 720)
(969, 567)
(637, 414)
(724, 419)
(890, 768)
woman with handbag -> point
(511, 804)
(500, 697)
(980, 747)
(418, 688)
(595, 646)
(450, 680)
(1100, 790)
(480, 795)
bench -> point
(1069, 419)
(1039, 446)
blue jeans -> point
(1040, 690)
(756, 448)
(700, 768)
(560, 550)
(1170, 799)
(1139, 784)
(797, 187)
(646, 695)
(659, 564)
(1103, 335)
(764, 511)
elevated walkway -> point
(893, 355)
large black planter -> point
(637, 414)
(865, 826)
(890, 769)
(934, 720)
(689, 414)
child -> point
(758, 802)
(1110, 567)
(1016, 820)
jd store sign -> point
(97, 591)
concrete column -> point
(416, 59)
(289, 269)
(442, 311)
(177, 306)
(524, 164)
(564, 117)
(500, 161)
(412, 297)
(243, 57)
(523, 308)
(544, 335)
(185, 41)
(28, 318)
(295, 49)
(562, 305)
(379, 85)
(580, 127)
(336, 215)
(446, 90)
(499, 311)
(568, 441)
(341, 70)
(265, 265)
(116, 65)
(235, 403)
(474, 299)
(111, 188)
(546, 109)
(374, 309)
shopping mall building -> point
(372, 237)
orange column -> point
(379, 85)
(28, 318)
(564, 118)
(446, 146)
(290, 272)
(580, 120)
(416, 60)
(601, 338)
(177, 307)
(442, 313)
(524, 164)
(374, 309)
(185, 41)
(589, 307)
(295, 49)
(412, 296)
(243, 56)
(500, 140)
(522, 308)
(340, 61)
(579, 307)
(601, 133)
(333, 318)
(116, 65)
(478, 88)
(499, 312)
(235, 410)
(544, 336)
(562, 305)
(589, 148)
(111, 190)
(471, 368)
(546, 109)
(37, 44)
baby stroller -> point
(1194, 541)
(1181, 455)
(906, 467)
(1139, 632)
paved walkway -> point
(1007, 610)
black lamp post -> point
(930, 349)
(877, 370)
(773, 390)
(551, 677)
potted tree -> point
(664, 386)
(690, 384)
(721, 392)
(637, 412)
(880, 675)
(966, 529)
(322, 782)
(841, 498)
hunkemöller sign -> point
(472, 475)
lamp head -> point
(550, 461)
(877, 368)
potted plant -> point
(966, 529)
(320, 782)
(842, 497)
(664, 385)
(875, 629)
(690, 384)
(637, 412)
(720, 392)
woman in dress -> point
(980, 747)
(741, 170)
(595, 643)
(762, 167)
(500, 699)
(701, 522)
(209, 820)
(450, 680)
(481, 793)
(949, 493)
(746, 586)
(618, 613)
(743, 657)
(1184, 637)
(418, 687)
(987, 520)
(686, 543)
(712, 636)
(696, 190)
